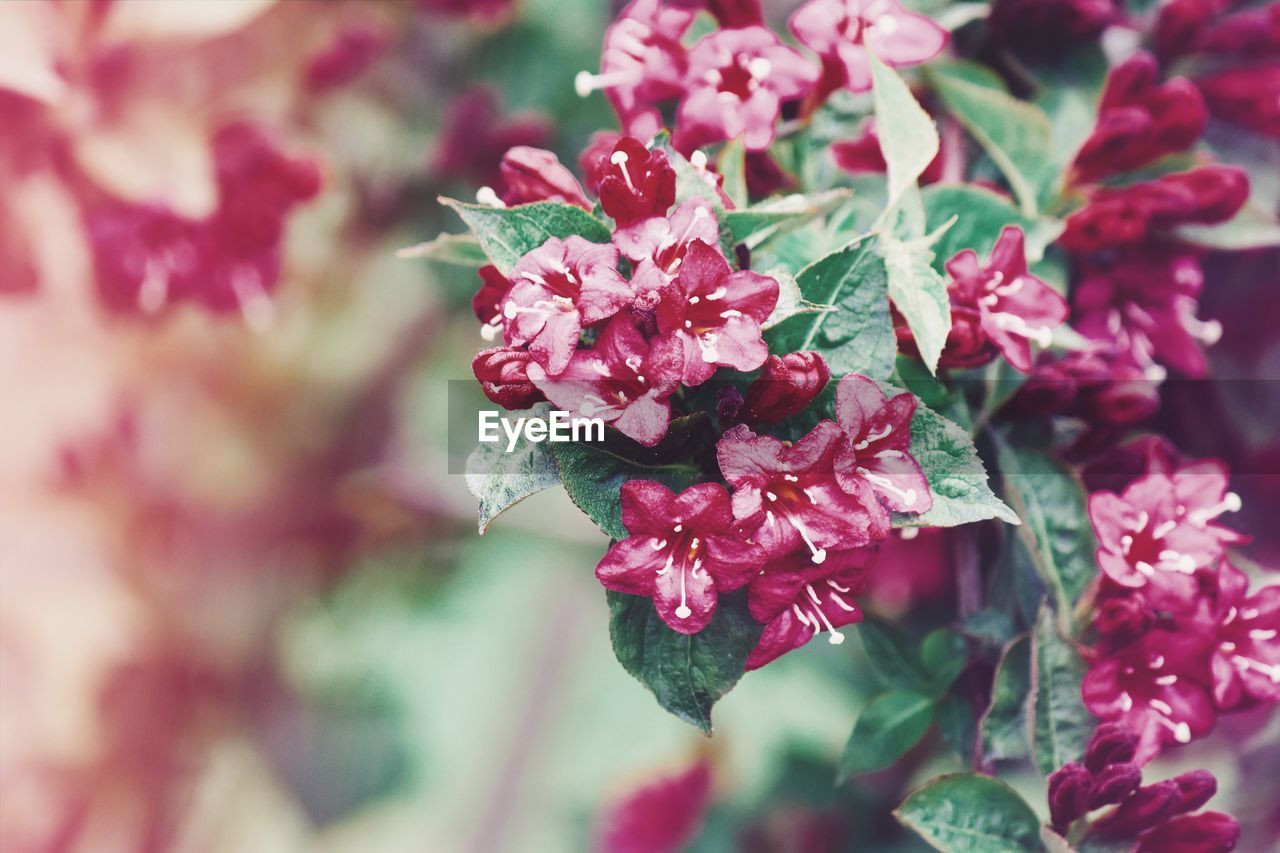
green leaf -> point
(957, 478)
(980, 216)
(1015, 134)
(908, 136)
(1060, 725)
(687, 673)
(958, 725)
(920, 295)
(754, 226)
(593, 474)
(732, 166)
(857, 335)
(888, 726)
(499, 480)
(1004, 725)
(892, 659)
(509, 233)
(791, 300)
(944, 654)
(968, 813)
(459, 250)
(1057, 532)
(691, 182)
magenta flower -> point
(738, 80)
(1160, 531)
(503, 373)
(635, 183)
(475, 135)
(873, 462)
(1139, 121)
(841, 32)
(642, 64)
(624, 380)
(1156, 686)
(1156, 817)
(533, 174)
(715, 314)
(556, 290)
(487, 301)
(658, 244)
(1248, 96)
(786, 385)
(683, 551)
(1011, 307)
(790, 495)
(796, 600)
(1144, 303)
(1246, 659)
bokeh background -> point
(243, 605)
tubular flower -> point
(873, 461)
(842, 31)
(738, 80)
(1008, 306)
(487, 301)
(786, 385)
(657, 246)
(683, 551)
(796, 600)
(1246, 657)
(715, 314)
(642, 64)
(556, 290)
(503, 373)
(1155, 686)
(635, 183)
(624, 380)
(790, 495)
(533, 174)
(1145, 303)
(1159, 531)
(1156, 816)
(1139, 121)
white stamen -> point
(908, 495)
(658, 544)
(816, 554)
(619, 159)
(489, 198)
(871, 437)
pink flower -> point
(642, 64)
(533, 174)
(1206, 832)
(683, 551)
(728, 13)
(715, 314)
(624, 380)
(1145, 303)
(476, 134)
(873, 461)
(661, 815)
(354, 48)
(487, 301)
(1156, 686)
(737, 82)
(796, 600)
(1139, 121)
(1099, 385)
(1011, 307)
(786, 385)
(842, 31)
(556, 290)
(658, 244)
(790, 493)
(1125, 216)
(1248, 96)
(503, 374)
(635, 183)
(1159, 531)
(864, 155)
(1246, 659)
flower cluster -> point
(1150, 818)
(735, 81)
(148, 256)
(800, 529)
(1180, 638)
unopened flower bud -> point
(786, 385)
(1113, 784)
(532, 174)
(1194, 789)
(1144, 809)
(1070, 789)
(1112, 743)
(1209, 832)
(504, 375)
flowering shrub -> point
(800, 364)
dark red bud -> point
(1144, 809)
(532, 174)
(1248, 96)
(1070, 788)
(1194, 789)
(1209, 832)
(494, 287)
(1113, 784)
(504, 375)
(1217, 192)
(786, 385)
(1112, 743)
